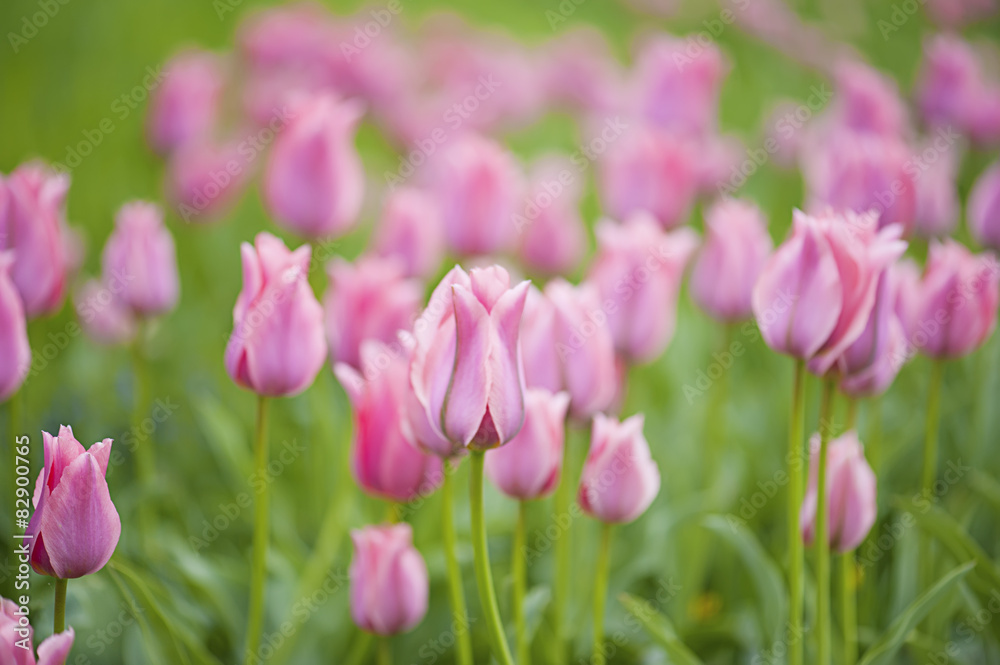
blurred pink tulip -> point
(938, 208)
(15, 352)
(410, 230)
(140, 258)
(277, 346)
(314, 182)
(638, 271)
(528, 466)
(205, 179)
(17, 637)
(850, 489)
(389, 584)
(955, 13)
(580, 73)
(620, 478)
(867, 101)
(542, 368)
(870, 364)
(185, 106)
(103, 315)
(551, 232)
(736, 248)
(75, 527)
(984, 208)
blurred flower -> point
(736, 248)
(410, 230)
(528, 466)
(870, 364)
(620, 478)
(102, 314)
(75, 527)
(277, 346)
(17, 636)
(204, 179)
(955, 13)
(15, 351)
(938, 207)
(140, 257)
(580, 73)
(185, 106)
(542, 368)
(866, 101)
(850, 490)
(389, 583)
(984, 208)
(551, 232)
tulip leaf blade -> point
(660, 629)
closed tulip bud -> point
(850, 491)
(384, 458)
(15, 352)
(984, 208)
(938, 208)
(538, 343)
(367, 299)
(411, 231)
(277, 346)
(551, 233)
(204, 179)
(579, 72)
(528, 466)
(17, 636)
(140, 255)
(639, 268)
(620, 478)
(75, 527)
(736, 248)
(389, 584)
(950, 85)
(869, 365)
(33, 223)
(867, 101)
(185, 105)
(314, 182)
(103, 315)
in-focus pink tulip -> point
(478, 186)
(385, 460)
(984, 208)
(551, 233)
(638, 271)
(389, 584)
(277, 346)
(542, 368)
(816, 292)
(75, 527)
(850, 491)
(869, 365)
(528, 466)
(736, 248)
(938, 208)
(410, 230)
(314, 183)
(140, 258)
(33, 223)
(15, 351)
(103, 315)
(17, 638)
(367, 299)
(205, 179)
(620, 478)
(185, 105)
(466, 373)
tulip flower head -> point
(184, 107)
(620, 478)
(411, 231)
(389, 584)
(984, 208)
(103, 315)
(15, 352)
(551, 234)
(870, 364)
(140, 257)
(17, 637)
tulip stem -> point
(601, 592)
(519, 573)
(459, 615)
(823, 530)
(930, 462)
(848, 607)
(59, 622)
(258, 569)
(852, 413)
(562, 581)
(484, 578)
(796, 489)
(384, 651)
(144, 464)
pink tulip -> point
(620, 478)
(736, 248)
(579, 72)
(277, 346)
(140, 253)
(867, 101)
(369, 299)
(411, 231)
(542, 368)
(314, 183)
(478, 186)
(528, 466)
(551, 233)
(15, 352)
(17, 636)
(103, 315)
(638, 271)
(204, 179)
(75, 527)
(816, 292)
(984, 208)
(870, 364)
(389, 584)
(850, 491)
(185, 106)
(955, 13)
(938, 208)
(33, 223)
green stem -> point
(930, 463)
(144, 453)
(258, 570)
(59, 622)
(384, 651)
(459, 614)
(796, 553)
(601, 593)
(823, 531)
(848, 608)
(852, 413)
(519, 574)
(359, 649)
(484, 578)
(561, 503)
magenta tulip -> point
(620, 478)
(528, 466)
(389, 584)
(984, 208)
(140, 257)
(75, 527)
(870, 364)
(411, 231)
(17, 638)
(551, 233)
(185, 105)
(850, 491)
(277, 346)
(103, 315)
(15, 352)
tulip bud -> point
(850, 491)
(140, 255)
(528, 466)
(620, 478)
(551, 234)
(538, 343)
(103, 315)
(185, 105)
(938, 208)
(17, 636)
(867, 101)
(389, 584)
(411, 231)
(736, 248)
(314, 183)
(870, 364)
(984, 208)
(75, 527)
(277, 346)
(204, 180)
(579, 72)
(951, 90)
(15, 351)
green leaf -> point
(986, 487)
(884, 650)
(226, 437)
(660, 628)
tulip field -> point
(418, 332)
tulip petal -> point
(466, 400)
(55, 649)
(506, 398)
